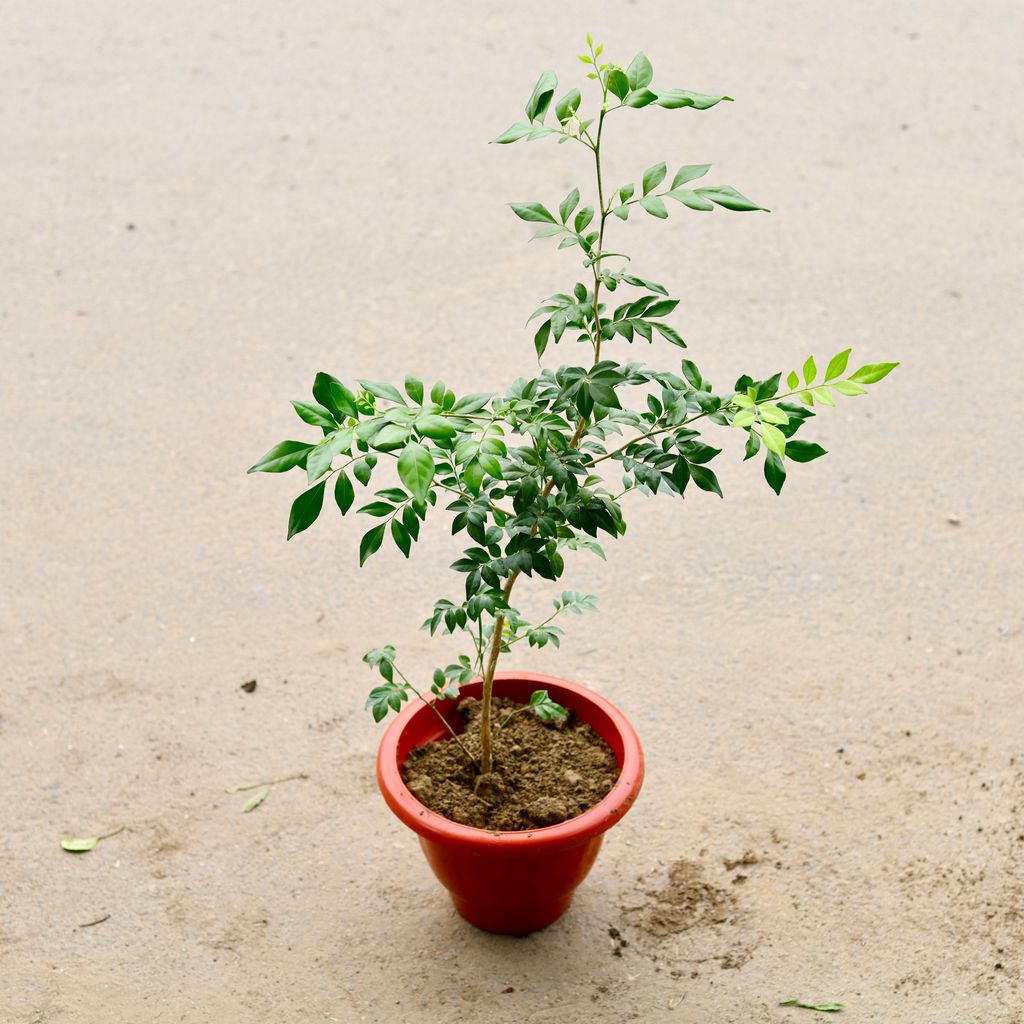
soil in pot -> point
(544, 773)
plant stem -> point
(444, 721)
(486, 750)
(600, 236)
(512, 714)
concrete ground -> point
(206, 203)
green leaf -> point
(388, 697)
(655, 206)
(793, 380)
(315, 415)
(513, 134)
(699, 453)
(705, 479)
(388, 391)
(380, 509)
(774, 439)
(469, 404)
(653, 177)
(545, 708)
(689, 172)
(362, 469)
(823, 395)
(640, 72)
(389, 437)
(661, 308)
(568, 204)
(618, 83)
(774, 472)
(305, 509)
(567, 105)
(583, 218)
(334, 396)
(872, 373)
(821, 1007)
(753, 445)
(669, 334)
(344, 492)
(401, 537)
(416, 469)
(680, 474)
(744, 417)
(282, 457)
(411, 522)
(434, 426)
(533, 212)
(847, 387)
(473, 474)
(641, 98)
(540, 99)
(690, 198)
(727, 196)
(804, 451)
(540, 339)
(692, 374)
(79, 845)
(254, 801)
(603, 394)
(320, 458)
(639, 282)
(370, 544)
(810, 370)
(73, 845)
(675, 98)
(414, 389)
(837, 364)
(772, 414)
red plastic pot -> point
(511, 882)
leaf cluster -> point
(525, 477)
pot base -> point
(514, 920)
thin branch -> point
(444, 721)
(687, 422)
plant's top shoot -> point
(541, 470)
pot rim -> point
(592, 822)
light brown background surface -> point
(309, 188)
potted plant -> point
(510, 779)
